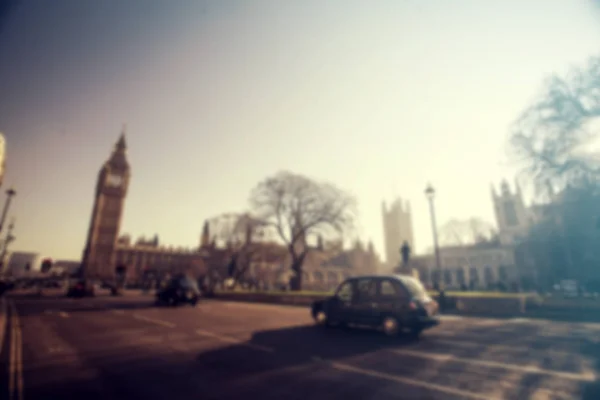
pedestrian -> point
(442, 297)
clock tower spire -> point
(109, 201)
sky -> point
(378, 97)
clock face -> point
(114, 180)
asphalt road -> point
(124, 348)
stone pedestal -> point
(407, 270)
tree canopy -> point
(299, 209)
(554, 140)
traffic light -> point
(46, 265)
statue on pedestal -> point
(405, 253)
(404, 267)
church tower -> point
(511, 214)
(205, 237)
(109, 201)
(397, 228)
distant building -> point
(397, 228)
(486, 264)
(109, 200)
(69, 267)
(325, 266)
(476, 266)
(106, 249)
(21, 263)
(512, 216)
(150, 257)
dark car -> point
(392, 303)
(182, 289)
(81, 288)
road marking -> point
(229, 339)
(451, 317)
(154, 321)
(495, 347)
(15, 383)
(409, 381)
(63, 314)
(530, 369)
(520, 320)
(54, 350)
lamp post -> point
(10, 193)
(430, 193)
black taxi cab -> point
(392, 303)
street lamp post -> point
(430, 193)
(10, 193)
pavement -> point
(125, 348)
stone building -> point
(483, 265)
(325, 266)
(99, 256)
(107, 251)
(329, 267)
(476, 266)
(21, 263)
(149, 257)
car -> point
(181, 289)
(81, 288)
(392, 303)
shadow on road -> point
(88, 305)
(295, 346)
(574, 315)
(591, 391)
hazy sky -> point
(379, 97)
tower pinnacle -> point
(121, 143)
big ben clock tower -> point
(111, 188)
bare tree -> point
(298, 209)
(552, 137)
(466, 232)
(239, 235)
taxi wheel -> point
(321, 318)
(390, 326)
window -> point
(447, 277)
(388, 289)
(366, 289)
(345, 291)
(414, 287)
(460, 276)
